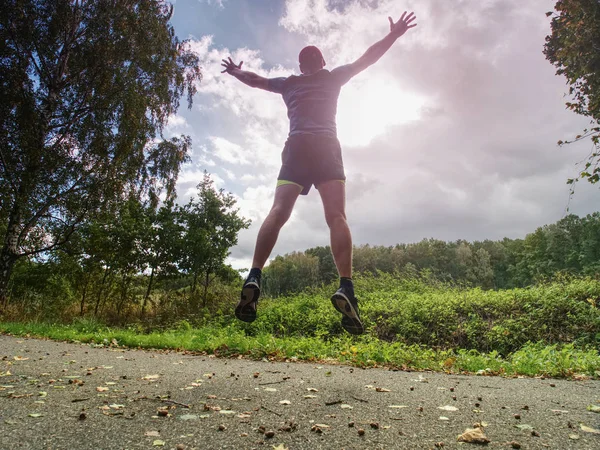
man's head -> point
(311, 60)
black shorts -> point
(309, 159)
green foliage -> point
(532, 359)
(86, 88)
(572, 48)
(415, 312)
(571, 246)
(291, 274)
(211, 225)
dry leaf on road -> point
(473, 436)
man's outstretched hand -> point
(403, 24)
(230, 65)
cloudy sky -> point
(451, 135)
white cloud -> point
(450, 135)
(218, 3)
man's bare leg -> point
(283, 204)
(333, 195)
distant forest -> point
(569, 246)
(168, 263)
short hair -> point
(310, 55)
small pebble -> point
(439, 444)
(515, 444)
(420, 409)
(451, 389)
(244, 435)
(412, 388)
(535, 433)
(163, 412)
(526, 408)
(375, 425)
(477, 405)
(361, 432)
(261, 429)
(517, 416)
(316, 429)
(180, 447)
(480, 399)
(270, 434)
(454, 397)
(351, 424)
(552, 385)
(221, 427)
(82, 416)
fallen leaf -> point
(312, 390)
(20, 358)
(226, 411)
(42, 394)
(474, 436)
(101, 389)
(594, 408)
(151, 377)
(344, 406)
(152, 433)
(448, 408)
(322, 425)
(285, 402)
(380, 389)
(280, 447)
(443, 418)
(310, 396)
(35, 415)
(397, 406)
(588, 429)
(158, 443)
(574, 436)
(524, 427)
(244, 416)
(270, 389)
(115, 406)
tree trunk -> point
(9, 255)
(207, 281)
(106, 272)
(147, 292)
(194, 282)
(85, 286)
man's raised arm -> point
(377, 50)
(246, 77)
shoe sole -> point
(350, 320)
(244, 310)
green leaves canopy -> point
(574, 48)
(86, 89)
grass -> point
(532, 359)
(552, 329)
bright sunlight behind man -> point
(369, 107)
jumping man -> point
(312, 156)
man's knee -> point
(334, 218)
(280, 215)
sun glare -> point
(368, 109)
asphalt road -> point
(56, 395)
